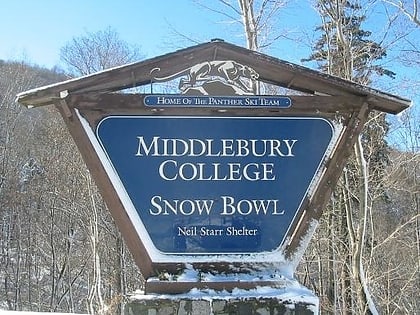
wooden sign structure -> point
(218, 177)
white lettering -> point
(185, 207)
(170, 170)
(174, 147)
(143, 147)
(248, 206)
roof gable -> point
(270, 69)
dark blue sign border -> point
(231, 233)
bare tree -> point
(257, 19)
(97, 51)
(410, 8)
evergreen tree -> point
(344, 48)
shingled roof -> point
(271, 70)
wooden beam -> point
(106, 189)
(134, 103)
(314, 207)
(94, 107)
(270, 69)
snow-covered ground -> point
(33, 313)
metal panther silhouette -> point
(230, 71)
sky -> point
(35, 30)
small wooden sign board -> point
(219, 176)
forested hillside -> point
(59, 249)
(365, 257)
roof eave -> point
(271, 70)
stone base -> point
(240, 302)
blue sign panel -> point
(214, 101)
(209, 185)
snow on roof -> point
(270, 69)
